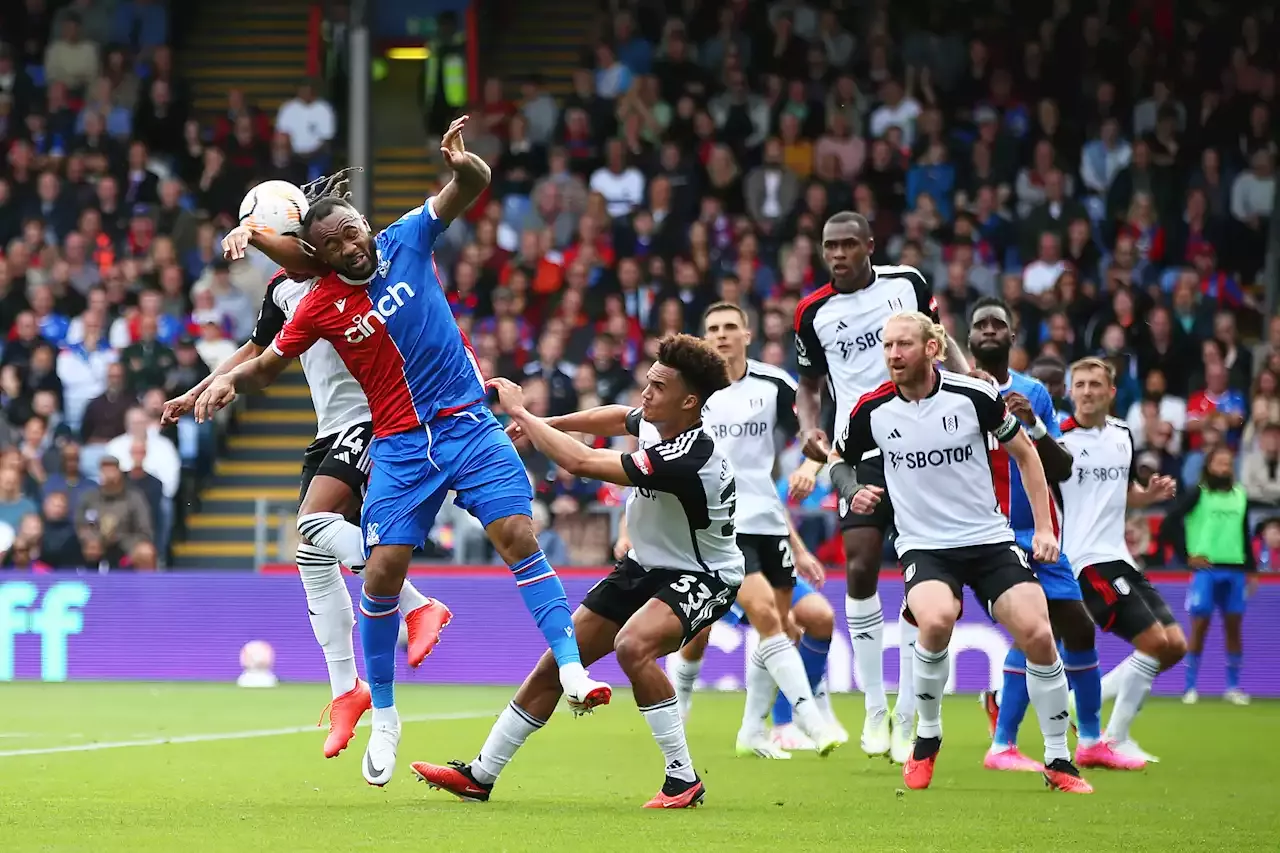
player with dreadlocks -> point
(334, 470)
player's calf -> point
(686, 666)
(514, 538)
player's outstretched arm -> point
(251, 376)
(179, 406)
(289, 252)
(569, 453)
(1158, 490)
(471, 175)
(604, 421)
(1055, 458)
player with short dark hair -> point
(380, 304)
(838, 333)
(932, 427)
(681, 573)
(1104, 483)
(751, 420)
(991, 337)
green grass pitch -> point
(579, 783)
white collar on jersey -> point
(380, 269)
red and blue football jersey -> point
(395, 334)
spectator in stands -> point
(60, 544)
(1261, 467)
(14, 504)
(104, 417)
(71, 59)
(309, 122)
(115, 518)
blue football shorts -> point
(413, 471)
(1216, 589)
(1057, 579)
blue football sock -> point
(1234, 663)
(544, 597)
(1014, 699)
(1192, 660)
(814, 655)
(379, 633)
(1086, 680)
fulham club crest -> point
(950, 423)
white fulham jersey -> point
(751, 421)
(339, 401)
(936, 465)
(1096, 497)
(680, 515)
(840, 336)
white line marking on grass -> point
(217, 736)
(4, 735)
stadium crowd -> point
(1105, 168)
(1108, 169)
(113, 293)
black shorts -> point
(343, 455)
(697, 598)
(770, 556)
(989, 570)
(1121, 600)
(870, 473)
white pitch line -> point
(217, 736)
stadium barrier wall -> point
(192, 627)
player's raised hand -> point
(177, 407)
(811, 569)
(236, 243)
(816, 445)
(220, 394)
(866, 499)
(510, 395)
(1161, 488)
(451, 146)
(1021, 407)
(802, 480)
(1044, 547)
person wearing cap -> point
(119, 518)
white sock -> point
(332, 614)
(866, 632)
(664, 721)
(333, 533)
(822, 698)
(782, 659)
(1134, 689)
(761, 691)
(507, 735)
(1112, 681)
(1050, 696)
(686, 677)
(410, 598)
(386, 716)
(930, 678)
(904, 706)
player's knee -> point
(695, 649)
(1173, 648)
(1071, 622)
(816, 618)
(862, 573)
(513, 537)
(1037, 642)
(632, 651)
